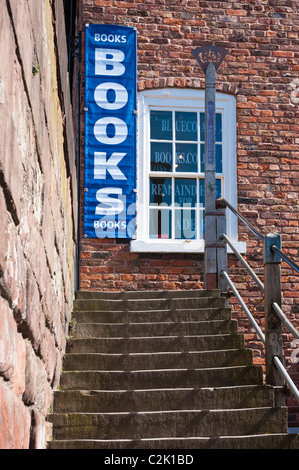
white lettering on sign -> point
(186, 126)
(109, 62)
(190, 157)
(163, 157)
(160, 189)
(110, 130)
(120, 96)
(295, 354)
(120, 130)
(117, 38)
(166, 126)
(109, 205)
(185, 190)
(110, 224)
(101, 165)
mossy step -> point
(169, 424)
(159, 378)
(147, 316)
(156, 344)
(148, 304)
(161, 360)
(95, 401)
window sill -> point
(166, 246)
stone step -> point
(148, 304)
(95, 401)
(155, 344)
(161, 360)
(169, 424)
(146, 316)
(161, 378)
(162, 370)
(97, 330)
(257, 442)
(125, 295)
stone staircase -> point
(162, 370)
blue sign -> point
(110, 131)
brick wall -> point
(37, 209)
(261, 71)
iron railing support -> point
(273, 323)
(221, 250)
(276, 373)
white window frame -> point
(188, 100)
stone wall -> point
(261, 71)
(38, 214)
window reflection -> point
(186, 158)
(177, 146)
(161, 156)
(186, 126)
(160, 223)
(161, 125)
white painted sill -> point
(169, 246)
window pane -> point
(202, 158)
(161, 156)
(160, 191)
(161, 125)
(185, 192)
(186, 157)
(202, 127)
(185, 224)
(186, 126)
(218, 127)
(202, 192)
(160, 223)
(218, 151)
(218, 189)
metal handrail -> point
(285, 257)
(243, 305)
(245, 264)
(221, 204)
(286, 376)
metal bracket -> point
(269, 255)
(206, 54)
(214, 214)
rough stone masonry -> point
(37, 213)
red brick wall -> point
(261, 70)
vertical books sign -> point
(110, 131)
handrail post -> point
(221, 246)
(273, 324)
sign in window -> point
(176, 183)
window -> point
(170, 189)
